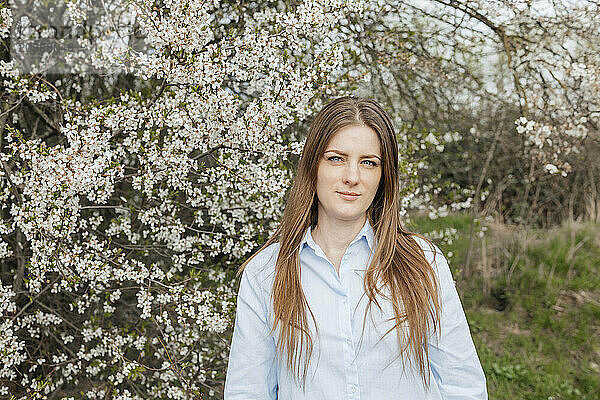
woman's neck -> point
(334, 236)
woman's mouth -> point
(348, 195)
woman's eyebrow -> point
(345, 154)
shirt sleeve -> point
(252, 370)
(454, 362)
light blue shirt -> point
(345, 365)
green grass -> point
(532, 298)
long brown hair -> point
(398, 263)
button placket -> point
(349, 352)
(346, 320)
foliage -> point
(499, 97)
(534, 313)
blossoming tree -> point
(501, 97)
(122, 213)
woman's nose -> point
(351, 174)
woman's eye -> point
(336, 158)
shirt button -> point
(353, 389)
(348, 341)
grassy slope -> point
(532, 299)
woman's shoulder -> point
(436, 258)
(262, 263)
(428, 247)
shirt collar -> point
(366, 231)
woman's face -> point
(351, 164)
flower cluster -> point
(5, 22)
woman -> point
(342, 302)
